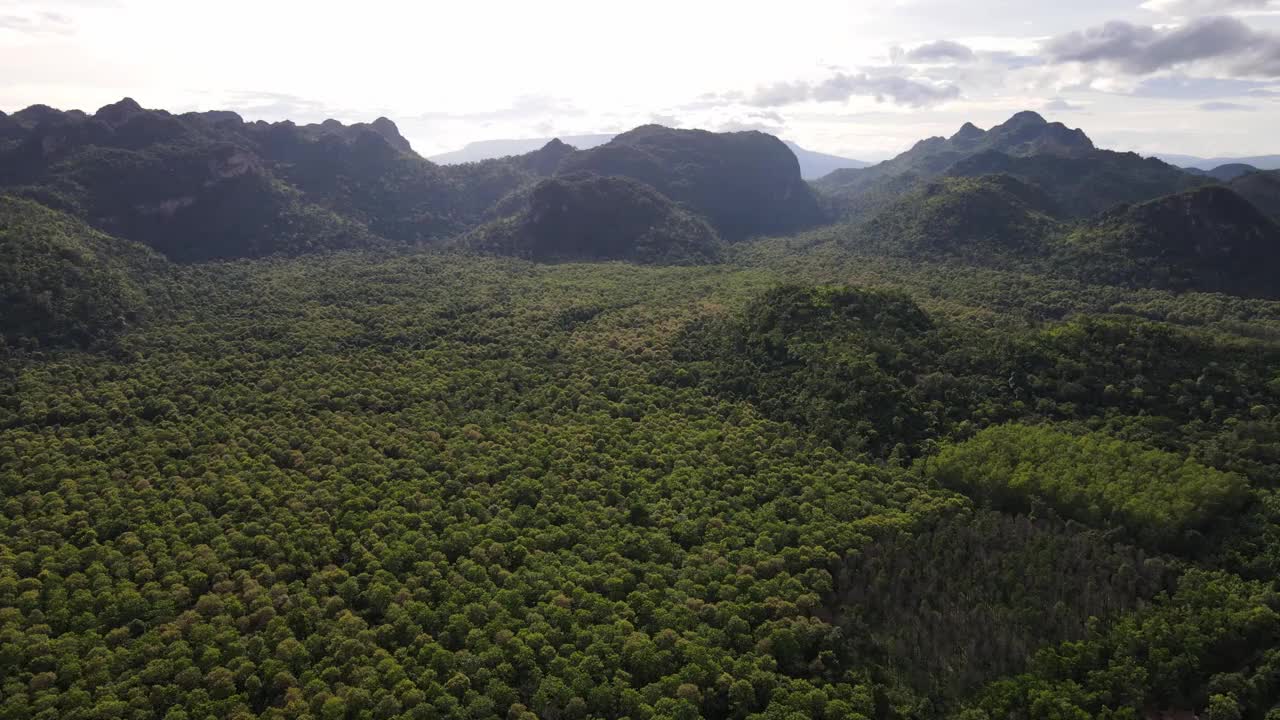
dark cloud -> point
(940, 51)
(842, 86)
(1226, 107)
(1142, 50)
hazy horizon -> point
(859, 80)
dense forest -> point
(297, 424)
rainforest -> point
(295, 423)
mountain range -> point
(202, 186)
(1027, 194)
(1064, 162)
(1261, 162)
(813, 165)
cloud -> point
(939, 51)
(523, 108)
(785, 93)
(1184, 8)
(842, 86)
(1010, 60)
(37, 23)
(1226, 107)
(1184, 87)
(45, 17)
(746, 126)
(1060, 105)
(281, 106)
(1143, 50)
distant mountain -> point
(1208, 240)
(1024, 134)
(491, 149)
(209, 185)
(63, 282)
(813, 165)
(1262, 162)
(1081, 179)
(1223, 173)
(590, 218)
(202, 186)
(745, 183)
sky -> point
(860, 78)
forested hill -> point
(1063, 162)
(593, 217)
(62, 281)
(295, 424)
(209, 185)
(746, 183)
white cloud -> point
(1058, 105)
(939, 51)
(841, 86)
(1192, 8)
(1226, 107)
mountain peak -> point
(968, 131)
(546, 159)
(388, 130)
(31, 116)
(125, 103)
(1027, 133)
(1026, 117)
(118, 112)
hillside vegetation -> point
(202, 186)
(591, 218)
(1097, 480)
(745, 183)
(1081, 179)
(1211, 240)
(630, 433)
(990, 220)
(64, 282)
